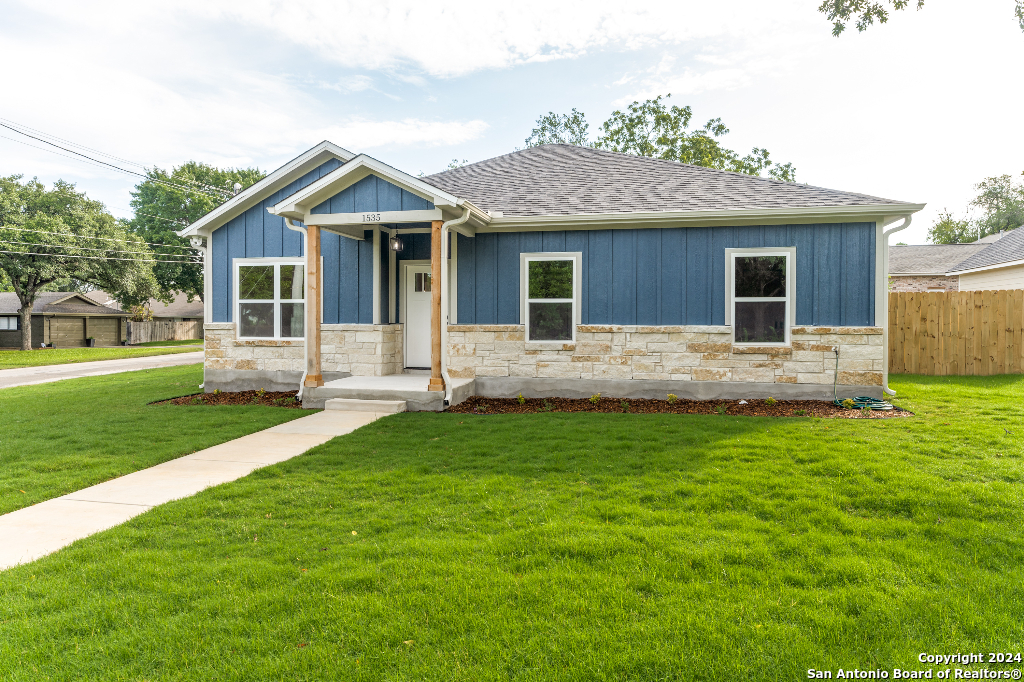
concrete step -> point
(359, 405)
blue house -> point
(552, 271)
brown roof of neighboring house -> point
(929, 259)
(179, 307)
(58, 303)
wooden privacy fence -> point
(163, 330)
(956, 332)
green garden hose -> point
(861, 401)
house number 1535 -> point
(371, 217)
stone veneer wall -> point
(695, 353)
(358, 349)
(923, 283)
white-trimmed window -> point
(270, 298)
(9, 323)
(759, 293)
(551, 295)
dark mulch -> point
(753, 408)
(267, 398)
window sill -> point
(551, 345)
(763, 349)
(269, 342)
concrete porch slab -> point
(354, 405)
(410, 388)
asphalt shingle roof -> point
(1009, 247)
(561, 179)
(47, 303)
(929, 259)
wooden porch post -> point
(436, 380)
(314, 377)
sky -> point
(919, 109)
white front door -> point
(417, 315)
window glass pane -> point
(760, 276)
(550, 279)
(256, 320)
(256, 282)
(550, 321)
(292, 282)
(422, 282)
(292, 320)
(760, 322)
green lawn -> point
(64, 436)
(561, 547)
(11, 359)
(188, 342)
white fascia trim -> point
(919, 274)
(298, 166)
(1007, 264)
(296, 205)
(868, 213)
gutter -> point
(445, 231)
(983, 268)
(305, 271)
(885, 320)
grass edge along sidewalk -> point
(60, 437)
(562, 547)
(18, 359)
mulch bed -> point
(266, 398)
(752, 408)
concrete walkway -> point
(27, 376)
(34, 532)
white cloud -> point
(439, 39)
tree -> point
(948, 229)
(51, 235)
(1001, 202)
(651, 129)
(169, 201)
(565, 129)
(866, 12)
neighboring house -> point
(178, 310)
(568, 271)
(999, 266)
(62, 319)
(993, 262)
(923, 267)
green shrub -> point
(672, 398)
(594, 399)
(770, 401)
(521, 399)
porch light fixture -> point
(396, 244)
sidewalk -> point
(27, 376)
(34, 532)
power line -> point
(170, 220)
(15, 126)
(62, 255)
(110, 165)
(72, 143)
(106, 239)
(105, 165)
(89, 248)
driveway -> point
(26, 376)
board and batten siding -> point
(348, 263)
(673, 276)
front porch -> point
(411, 388)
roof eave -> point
(994, 266)
(706, 217)
(301, 202)
(298, 166)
